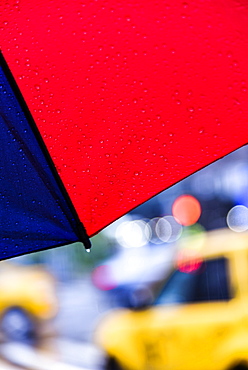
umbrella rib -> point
(81, 231)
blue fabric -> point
(34, 213)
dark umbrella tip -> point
(83, 237)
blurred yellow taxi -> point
(199, 320)
(27, 300)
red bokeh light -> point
(190, 264)
(186, 209)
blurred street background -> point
(55, 330)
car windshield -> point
(209, 282)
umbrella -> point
(104, 104)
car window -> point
(210, 282)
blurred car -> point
(199, 320)
(131, 269)
(27, 300)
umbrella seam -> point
(80, 229)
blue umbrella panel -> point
(35, 210)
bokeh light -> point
(186, 209)
(102, 279)
(163, 229)
(188, 262)
(237, 218)
(168, 229)
(151, 228)
(132, 234)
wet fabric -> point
(34, 214)
(129, 97)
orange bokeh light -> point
(186, 209)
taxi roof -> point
(212, 243)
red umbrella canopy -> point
(130, 97)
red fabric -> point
(130, 96)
